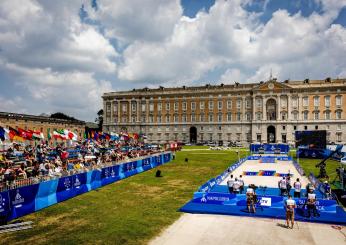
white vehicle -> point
(343, 160)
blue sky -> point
(62, 55)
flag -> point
(49, 136)
(36, 135)
(15, 135)
(2, 133)
(25, 134)
(59, 134)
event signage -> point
(28, 199)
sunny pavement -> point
(204, 229)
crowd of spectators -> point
(27, 164)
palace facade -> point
(43, 124)
(252, 112)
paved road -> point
(204, 229)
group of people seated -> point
(25, 163)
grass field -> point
(131, 211)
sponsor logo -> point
(2, 204)
(67, 183)
(266, 201)
(18, 199)
(113, 173)
(77, 182)
(203, 199)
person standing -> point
(250, 199)
(236, 186)
(230, 183)
(311, 204)
(297, 188)
(290, 205)
(282, 186)
(241, 189)
(288, 184)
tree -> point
(99, 119)
(60, 115)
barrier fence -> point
(24, 200)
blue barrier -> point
(269, 148)
(28, 199)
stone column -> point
(289, 107)
(253, 108)
(264, 111)
(278, 115)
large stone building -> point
(253, 112)
(40, 123)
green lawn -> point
(131, 211)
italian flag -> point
(59, 134)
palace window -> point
(159, 119)
(201, 116)
(338, 137)
(211, 118)
(219, 117)
(338, 100)
(134, 118)
(305, 101)
(316, 101)
(193, 117)
(219, 105)
(176, 118)
(143, 106)
(229, 116)
(229, 104)
(327, 101)
(248, 116)
(211, 105)
(193, 106)
(238, 103)
(124, 107)
(167, 106)
(338, 114)
(176, 105)
(201, 105)
(151, 118)
(327, 115)
(295, 115)
(159, 106)
(184, 118)
(258, 116)
(316, 115)
(184, 106)
(238, 116)
(305, 115)
(134, 106)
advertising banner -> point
(22, 200)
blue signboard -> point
(22, 200)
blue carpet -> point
(269, 206)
